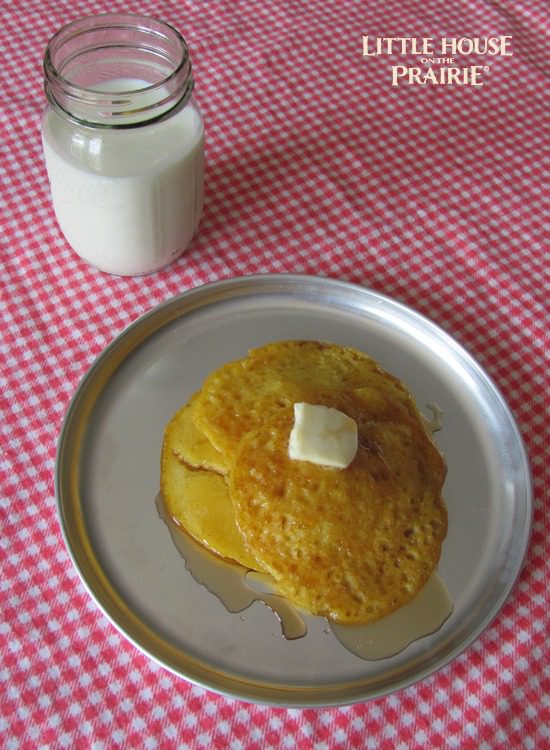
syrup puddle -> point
(424, 615)
(238, 588)
(230, 581)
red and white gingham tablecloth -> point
(433, 194)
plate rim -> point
(96, 376)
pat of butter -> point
(322, 435)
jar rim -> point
(62, 91)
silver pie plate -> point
(108, 471)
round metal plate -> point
(107, 479)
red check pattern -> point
(434, 195)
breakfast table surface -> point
(328, 156)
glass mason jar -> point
(123, 141)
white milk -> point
(128, 200)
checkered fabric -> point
(432, 194)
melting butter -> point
(238, 588)
(322, 435)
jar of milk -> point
(123, 141)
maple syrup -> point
(238, 588)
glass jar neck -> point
(117, 70)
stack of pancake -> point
(349, 544)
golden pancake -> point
(190, 445)
(243, 394)
(198, 500)
(352, 544)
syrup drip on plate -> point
(424, 615)
(434, 423)
(238, 588)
